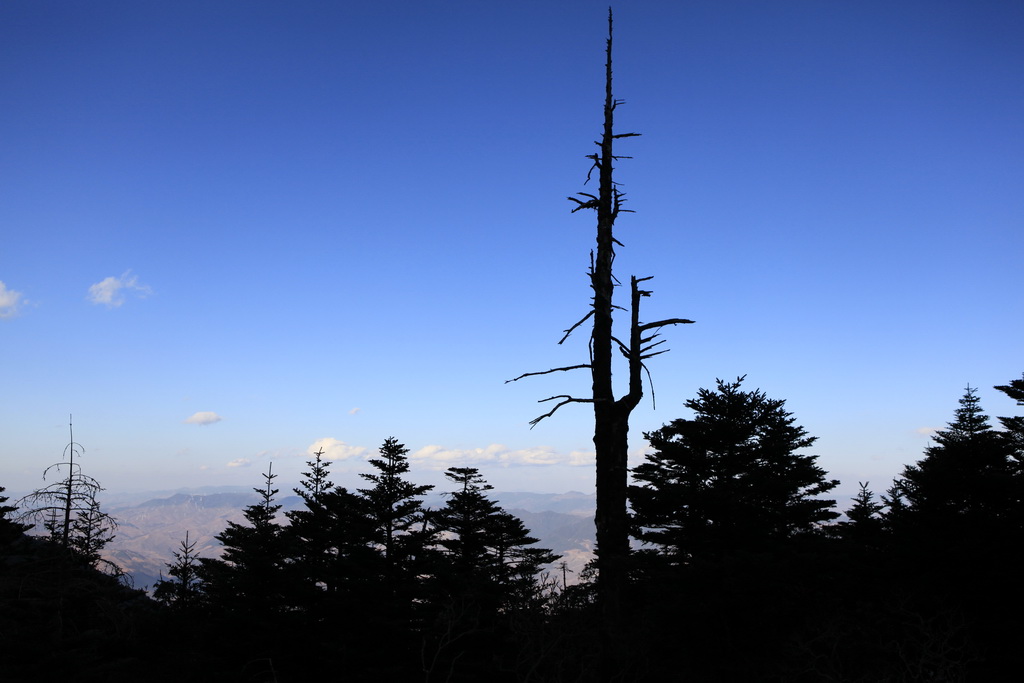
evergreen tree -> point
(309, 533)
(864, 521)
(730, 478)
(248, 578)
(486, 577)
(183, 590)
(91, 531)
(354, 569)
(395, 508)
(9, 529)
(399, 532)
(963, 485)
(517, 563)
(488, 549)
(1014, 426)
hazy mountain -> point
(150, 529)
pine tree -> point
(91, 531)
(9, 529)
(864, 521)
(729, 479)
(1014, 426)
(517, 562)
(249, 577)
(490, 550)
(183, 591)
(487, 575)
(964, 483)
(309, 534)
(395, 507)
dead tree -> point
(68, 508)
(611, 414)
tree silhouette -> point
(9, 529)
(395, 510)
(333, 569)
(1014, 426)
(489, 549)
(611, 414)
(183, 590)
(248, 578)
(309, 535)
(964, 483)
(864, 521)
(69, 510)
(729, 478)
(485, 579)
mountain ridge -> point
(151, 529)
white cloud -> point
(354, 411)
(240, 462)
(335, 450)
(203, 417)
(10, 300)
(582, 458)
(110, 291)
(438, 457)
(926, 431)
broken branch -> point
(547, 372)
(567, 399)
(569, 331)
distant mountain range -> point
(152, 528)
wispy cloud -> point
(335, 450)
(203, 417)
(354, 411)
(110, 291)
(10, 301)
(926, 431)
(240, 462)
(438, 457)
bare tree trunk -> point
(610, 429)
(611, 416)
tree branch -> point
(547, 372)
(567, 399)
(663, 323)
(569, 331)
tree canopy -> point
(731, 477)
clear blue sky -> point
(231, 230)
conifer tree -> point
(333, 569)
(249, 576)
(1014, 426)
(395, 508)
(490, 550)
(964, 483)
(183, 590)
(91, 531)
(9, 529)
(864, 521)
(308, 533)
(730, 478)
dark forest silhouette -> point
(743, 571)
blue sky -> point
(233, 231)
